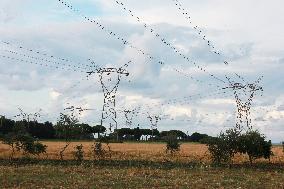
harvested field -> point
(49, 176)
(138, 165)
(143, 151)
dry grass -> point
(143, 151)
(48, 176)
(138, 174)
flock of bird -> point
(43, 59)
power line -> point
(197, 28)
(124, 41)
(165, 41)
(52, 58)
(71, 67)
(38, 63)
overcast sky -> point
(249, 35)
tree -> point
(83, 131)
(41, 130)
(65, 129)
(254, 145)
(123, 131)
(11, 140)
(6, 125)
(224, 147)
(34, 128)
(173, 144)
(23, 142)
(98, 129)
(177, 133)
(197, 137)
(137, 133)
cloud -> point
(235, 27)
(54, 94)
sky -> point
(50, 48)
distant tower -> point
(154, 120)
(129, 117)
(110, 79)
(244, 94)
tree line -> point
(23, 136)
(82, 131)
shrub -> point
(79, 153)
(38, 149)
(23, 142)
(283, 146)
(10, 139)
(254, 145)
(65, 129)
(98, 150)
(106, 140)
(224, 147)
(173, 144)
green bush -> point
(254, 145)
(38, 148)
(173, 144)
(98, 150)
(25, 143)
(226, 145)
(79, 153)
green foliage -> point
(218, 150)
(38, 148)
(98, 129)
(226, 145)
(98, 146)
(40, 130)
(6, 125)
(98, 150)
(223, 147)
(137, 133)
(49, 131)
(176, 133)
(65, 128)
(254, 145)
(124, 131)
(283, 146)
(173, 144)
(197, 137)
(79, 153)
(25, 143)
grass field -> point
(139, 165)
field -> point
(139, 165)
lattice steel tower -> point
(110, 79)
(244, 94)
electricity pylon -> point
(110, 79)
(129, 115)
(244, 94)
(154, 120)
